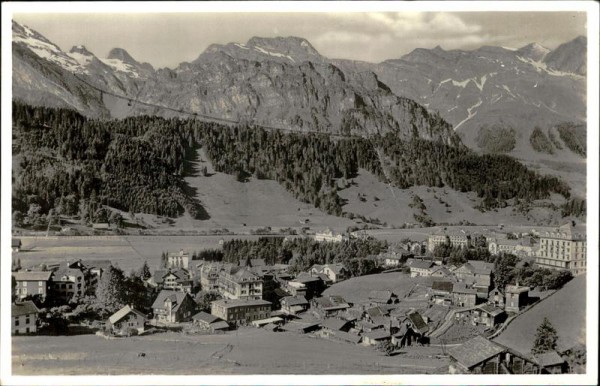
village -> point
(416, 296)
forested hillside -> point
(71, 165)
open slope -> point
(373, 199)
(566, 310)
(247, 351)
(255, 203)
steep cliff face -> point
(278, 82)
(285, 83)
(40, 82)
(290, 94)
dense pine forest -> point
(70, 165)
(301, 253)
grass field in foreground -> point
(247, 351)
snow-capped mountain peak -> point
(43, 48)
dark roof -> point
(444, 286)
(481, 267)
(306, 278)
(32, 276)
(418, 322)
(374, 312)
(206, 317)
(281, 293)
(220, 325)
(550, 358)
(332, 302)
(181, 274)
(175, 296)
(475, 351)
(334, 324)
(461, 288)
(295, 300)
(421, 264)
(23, 308)
(490, 309)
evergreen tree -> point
(109, 293)
(545, 338)
(145, 271)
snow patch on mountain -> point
(470, 113)
(462, 84)
(48, 51)
(275, 54)
(541, 67)
(119, 65)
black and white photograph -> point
(300, 193)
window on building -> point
(27, 320)
(16, 321)
(40, 283)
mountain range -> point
(285, 83)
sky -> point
(167, 39)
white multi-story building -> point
(455, 238)
(329, 235)
(515, 247)
(563, 248)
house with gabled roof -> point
(462, 296)
(241, 311)
(173, 306)
(420, 268)
(176, 279)
(69, 280)
(417, 323)
(487, 315)
(441, 292)
(376, 337)
(125, 319)
(330, 305)
(479, 273)
(441, 272)
(551, 362)
(294, 304)
(335, 324)
(307, 285)
(24, 316)
(32, 283)
(482, 356)
(516, 297)
(335, 272)
(236, 282)
(209, 322)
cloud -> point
(402, 30)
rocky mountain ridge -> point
(285, 83)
